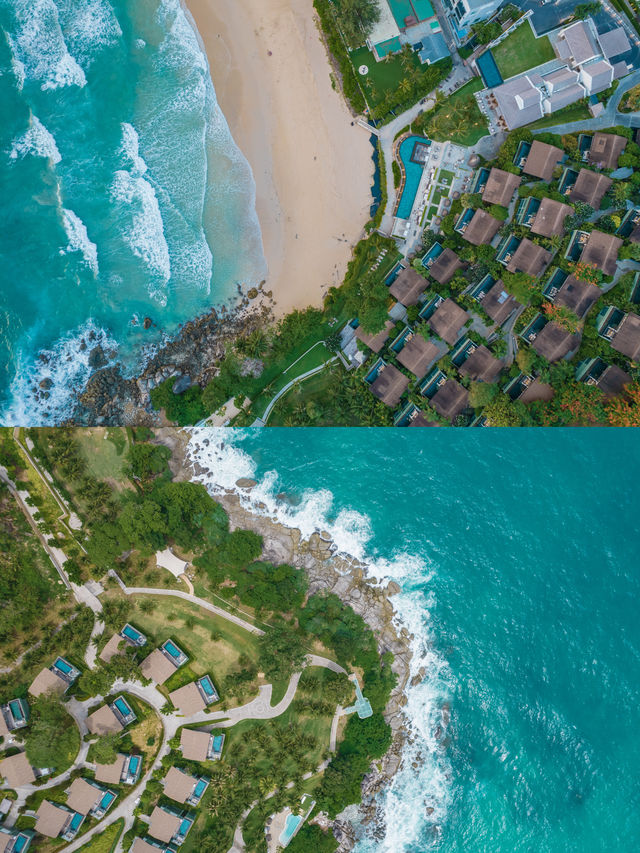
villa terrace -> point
(17, 770)
(418, 355)
(495, 300)
(130, 635)
(193, 697)
(163, 662)
(549, 218)
(479, 364)
(601, 250)
(13, 715)
(542, 160)
(528, 258)
(550, 340)
(480, 228)
(605, 150)
(389, 385)
(124, 770)
(621, 330)
(55, 679)
(377, 341)
(201, 746)
(445, 266)
(578, 296)
(450, 400)
(150, 845)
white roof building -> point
(167, 560)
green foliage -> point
(146, 461)
(311, 837)
(585, 10)
(350, 85)
(281, 652)
(356, 18)
(486, 31)
(481, 394)
(99, 681)
(502, 412)
(236, 550)
(397, 176)
(52, 738)
(184, 409)
(105, 749)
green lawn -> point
(521, 51)
(105, 842)
(382, 77)
(458, 119)
(574, 112)
(317, 356)
(104, 451)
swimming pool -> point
(413, 172)
(207, 686)
(133, 767)
(200, 788)
(489, 70)
(218, 740)
(63, 666)
(185, 826)
(123, 707)
(291, 825)
(20, 842)
(106, 800)
(76, 822)
(130, 633)
(173, 650)
(16, 711)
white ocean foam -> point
(79, 239)
(61, 372)
(416, 803)
(143, 228)
(16, 65)
(88, 27)
(180, 43)
(39, 45)
(130, 149)
(36, 140)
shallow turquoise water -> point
(124, 195)
(517, 553)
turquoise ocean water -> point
(517, 554)
(124, 195)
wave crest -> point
(36, 140)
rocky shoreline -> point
(110, 398)
(348, 578)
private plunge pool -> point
(413, 152)
(291, 825)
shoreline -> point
(311, 164)
(347, 577)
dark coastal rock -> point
(46, 383)
(252, 293)
(97, 358)
(146, 323)
(246, 483)
(181, 384)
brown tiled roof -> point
(448, 321)
(542, 160)
(47, 682)
(529, 258)
(389, 385)
(635, 235)
(408, 286)
(83, 796)
(111, 773)
(481, 366)
(590, 187)
(554, 342)
(141, 846)
(420, 420)
(482, 228)
(601, 250)
(188, 699)
(613, 380)
(157, 667)
(500, 187)
(577, 295)
(17, 770)
(605, 150)
(50, 819)
(178, 785)
(627, 339)
(499, 304)
(445, 266)
(112, 648)
(4, 729)
(163, 825)
(103, 722)
(550, 217)
(450, 399)
(194, 744)
(375, 342)
(418, 355)
(537, 390)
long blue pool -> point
(76, 820)
(16, 710)
(413, 173)
(106, 800)
(131, 634)
(62, 665)
(207, 686)
(292, 823)
(489, 70)
(218, 740)
(173, 650)
(134, 764)
(200, 788)
(123, 707)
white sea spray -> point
(37, 141)
(79, 240)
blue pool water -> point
(200, 788)
(134, 764)
(106, 801)
(63, 666)
(185, 826)
(207, 686)
(20, 843)
(218, 740)
(292, 822)
(413, 173)
(517, 555)
(123, 707)
(76, 821)
(489, 70)
(16, 710)
(130, 632)
(173, 650)
(124, 193)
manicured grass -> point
(458, 119)
(382, 77)
(191, 627)
(106, 841)
(574, 112)
(104, 451)
(314, 358)
(520, 51)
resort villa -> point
(200, 745)
(15, 840)
(169, 825)
(586, 63)
(17, 770)
(163, 662)
(57, 821)
(184, 788)
(407, 22)
(55, 679)
(195, 696)
(128, 636)
(150, 845)
(462, 14)
(125, 770)
(14, 715)
(88, 798)
(111, 718)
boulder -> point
(181, 384)
(97, 358)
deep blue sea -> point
(123, 194)
(517, 552)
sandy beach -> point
(312, 167)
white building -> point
(462, 14)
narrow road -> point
(283, 391)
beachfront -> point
(312, 166)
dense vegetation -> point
(52, 738)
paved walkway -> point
(265, 417)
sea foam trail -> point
(37, 141)
(79, 240)
(416, 803)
